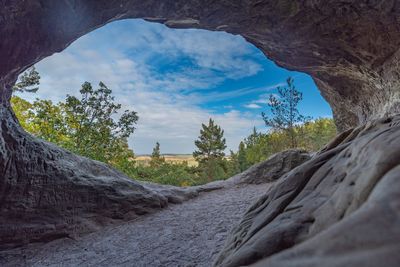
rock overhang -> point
(350, 49)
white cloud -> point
(252, 106)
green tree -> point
(285, 114)
(92, 128)
(23, 111)
(28, 82)
(85, 125)
(255, 148)
(48, 122)
(210, 154)
(156, 158)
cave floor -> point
(187, 234)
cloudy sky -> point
(175, 80)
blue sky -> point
(175, 80)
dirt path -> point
(189, 234)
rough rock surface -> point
(47, 192)
(350, 48)
(188, 234)
(341, 208)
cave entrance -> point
(174, 79)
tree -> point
(28, 81)
(23, 111)
(48, 122)
(93, 130)
(285, 114)
(85, 125)
(210, 154)
(156, 158)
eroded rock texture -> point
(341, 208)
(47, 192)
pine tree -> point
(156, 158)
(210, 154)
(285, 114)
(28, 82)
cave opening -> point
(174, 79)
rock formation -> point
(350, 48)
(47, 192)
(341, 208)
(337, 209)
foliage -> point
(210, 154)
(257, 147)
(178, 174)
(243, 163)
(84, 126)
(23, 111)
(285, 114)
(91, 127)
(28, 82)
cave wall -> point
(350, 48)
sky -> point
(176, 80)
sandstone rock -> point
(350, 48)
(47, 192)
(341, 208)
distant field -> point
(145, 159)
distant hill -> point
(174, 158)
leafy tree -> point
(28, 81)
(49, 122)
(22, 110)
(92, 129)
(84, 125)
(210, 154)
(156, 158)
(285, 114)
